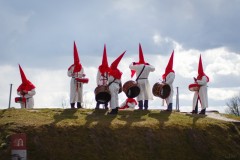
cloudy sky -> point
(39, 35)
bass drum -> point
(161, 90)
(102, 94)
(131, 89)
(194, 87)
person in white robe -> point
(76, 72)
(26, 91)
(201, 95)
(114, 82)
(142, 70)
(168, 78)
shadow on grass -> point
(99, 118)
(132, 116)
(195, 118)
(161, 116)
(65, 114)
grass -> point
(57, 134)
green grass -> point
(57, 134)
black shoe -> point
(97, 106)
(79, 105)
(193, 112)
(203, 111)
(72, 105)
(113, 111)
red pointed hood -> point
(26, 84)
(200, 70)
(104, 66)
(141, 60)
(169, 67)
(114, 71)
(77, 64)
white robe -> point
(169, 80)
(76, 88)
(102, 79)
(143, 84)
(29, 99)
(114, 89)
(203, 95)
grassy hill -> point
(57, 134)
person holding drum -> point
(168, 78)
(102, 76)
(114, 82)
(201, 94)
(76, 72)
(142, 70)
(26, 91)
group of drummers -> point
(109, 85)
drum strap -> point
(140, 73)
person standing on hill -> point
(168, 78)
(102, 75)
(142, 70)
(26, 91)
(202, 95)
(114, 82)
(76, 72)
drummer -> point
(76, 88)
(142, 70)
(168, 78)
(114, 82)
(102, 75)
(202, 79)
(26, 91)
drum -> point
(161, 90)
(131, 89)
(20, 100)
(194, 87)
(83, 80)
(102, 94)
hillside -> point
(57, 134)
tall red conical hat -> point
(77, 64)
(141, 60)
(141, 57)
(114, 71)
(200, 70)
(169, 67)
(26, 84)
(104, 66)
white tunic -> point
(169, 80)
(102, 79)
(114, 89)
(143, 83)
(76, 88)
(202, 93)
(29, 99)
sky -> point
(39, 36)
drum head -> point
(133, 92)
(165, 91)
(103, 97)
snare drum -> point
(20, 100)
(102, 94)
(83, 80)
(131, 89)
(161, 90)
(194, 87)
